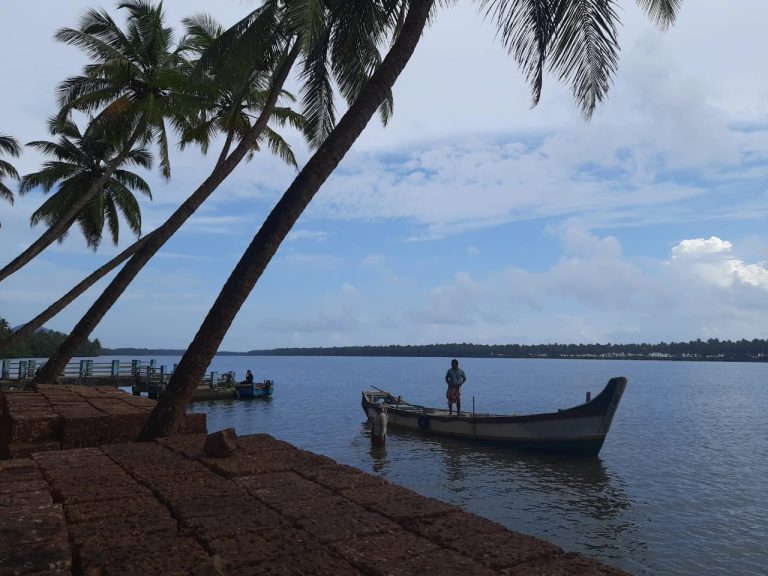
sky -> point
(470, 217)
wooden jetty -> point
(144, 378)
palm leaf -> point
(584, 49)
(662, 12)
(525, 28)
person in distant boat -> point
(248, 377)
(455, 377)
(379, 426)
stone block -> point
(116, 530)
(250, 518)
(85, 429)
(190, 445)
(33, 425)
(381, 552)
(36, 556)
(131, 507)
(245, 464)
(89, 493)
(254, 547)
(338, 477)
(400, 504)
(499, 550)
(349, 526)
(175, 487)
(221, 444)
(281, 487)
(27, 449)
(317, 563)
(148, 555)
(69, 459)
(438, 563)
(257, 443)
(317, 507)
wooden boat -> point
(255, 389)
(579, 430)
(224, 391)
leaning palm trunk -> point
(166, 416)
(55, 232)
(56, 363)
(39, 320)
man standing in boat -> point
(455, 377)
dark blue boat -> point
(246, 390)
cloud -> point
(339, 314)
(711, 261)
(594, 294)
(698, 247)
(316, 235)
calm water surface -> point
(679, 487)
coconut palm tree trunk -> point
(56, 363)
(54, 232)
(166, 416)
(39, 320)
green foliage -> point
(42, 344)
(713, 349)
(78, 162)
(9, 146)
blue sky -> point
(470, 217)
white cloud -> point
(711, 261)
(696, 247)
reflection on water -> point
(545, 495)
(379, 460)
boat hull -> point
(255, 389)
(580, 430)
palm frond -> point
(129, 180)
(9, 145)
(317, 93)
(48, 176)
(525, 28)
(8, 171)
(127, 205)
(6, 193)
(584, 49)
(662, 12)
(279, 146)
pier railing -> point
(147, 376)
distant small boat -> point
(240, 390)
(579, 430)
(255, 389)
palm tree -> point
(11, 147)
(577, 38)
(230, 100)
(80, 161)
(264, 36)
(135, 82)
(258, 39)
(234, 91)
(280, 68)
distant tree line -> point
(42, 344)
(712, 349)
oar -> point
(382, 391)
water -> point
(678, 488)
